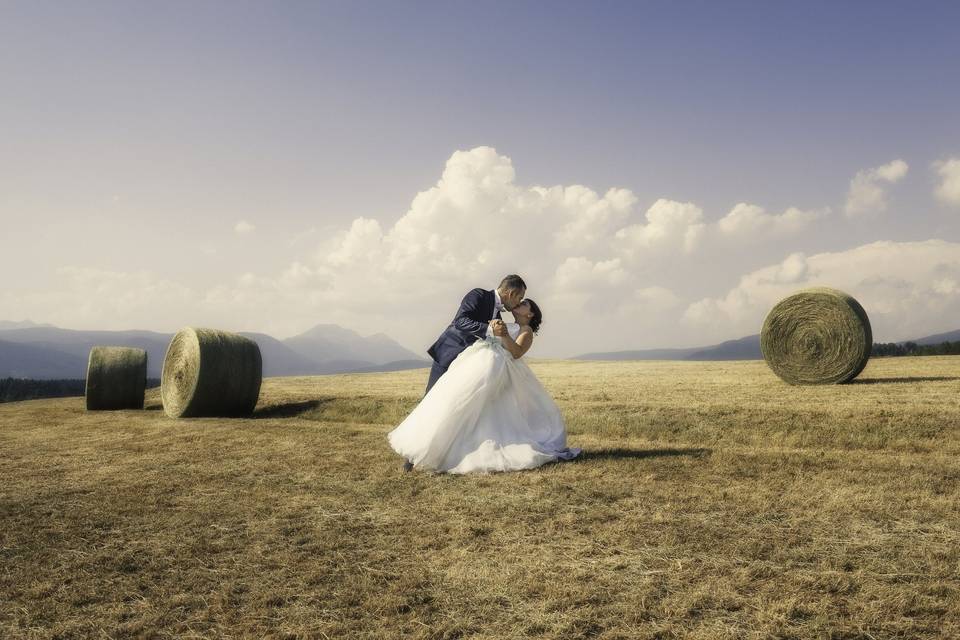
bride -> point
(488, 412)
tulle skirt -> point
(488, 412)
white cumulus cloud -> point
(670, 225)
(577, 249)
(610, 272)
(579, 274)
(590, 259)
(243, 228)
(750, 221)
(868, 189)
(907, 288)
(948, 191)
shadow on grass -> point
(620, 453)
(904, 380)
(288, 410)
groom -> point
(478, 316)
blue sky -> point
(136, 130)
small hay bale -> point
(817, 336)
(116, 378)
(207, 372)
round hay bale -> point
(817, 336)
(210, 373)
(116, 378)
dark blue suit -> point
(469, 325)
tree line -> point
(15, 389)
(913, 349)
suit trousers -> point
(435, 372)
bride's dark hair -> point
(537, 314)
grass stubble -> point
(712, 501)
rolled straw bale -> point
(116, 378)
(817, 336)
(207, 372)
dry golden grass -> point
(713, 501)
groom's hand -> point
(499, 328)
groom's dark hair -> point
(513, 281)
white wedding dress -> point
(488, 412)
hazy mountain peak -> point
(38, 351)
(331, 342)
(937, 338)
(747, 348)
(22, 324)
(328, 331)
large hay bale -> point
(210, 373)
(817, 336)
(116, 378)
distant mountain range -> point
(23, 324)
(30, 350)
(747, 348)
(939, 338)
(42, 351)
(743, 349)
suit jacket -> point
(468, 326)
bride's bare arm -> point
(519, 346)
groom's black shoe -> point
(407, 465)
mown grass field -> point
(712, 501)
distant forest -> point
(15, 389)
(914, 349)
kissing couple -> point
(484, 409)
